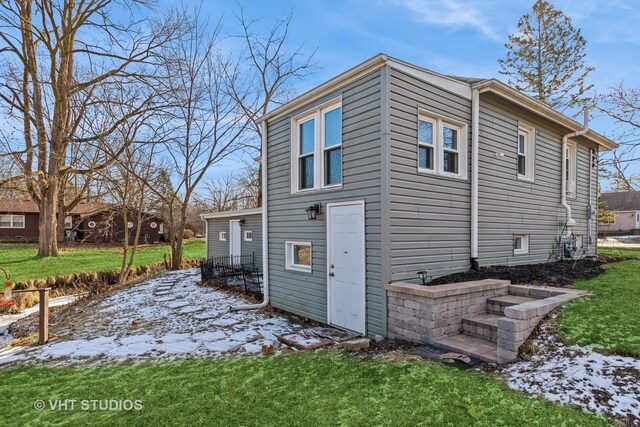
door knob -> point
(332, 266)
(331, 274)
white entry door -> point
(235, 241)
(346, 265)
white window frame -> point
(438, 145)
(289, 256)
(529, 153)
(12, 221)
(525, 244)
(571, 177)
(248, 236)
(68, 222)
(222, 236)
(319, 163)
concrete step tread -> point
(479, 348)
(488, 320)
(508, 300)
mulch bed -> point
(559, 274)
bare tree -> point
(67, 73)
(205, 125)
(232, 191)
(266, 75)
(622, 104)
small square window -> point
(223, 236)
(68, 222)
(298, 256)
(248, 236)
(520, 244)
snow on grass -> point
(579, 376)
(133, 324)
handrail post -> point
(43, 326)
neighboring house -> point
(407, 171)
(89, 221)
(235, 233)
(625, 207)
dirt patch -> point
(559, 274)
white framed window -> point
(526, 149)
(442, 145)
(571, 160)
(316, 148)
(11, 221)
(248, 236)
(91, 224)
(153, 224)
(520, 244)
(298, 256)
(129, 225)
(222, 236)
(68, 222)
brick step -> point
(496, 305)
(483, 325)
(478, 348)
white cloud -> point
(453, 13)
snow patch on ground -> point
(579, 376)
(133, 324)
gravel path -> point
(167, 317)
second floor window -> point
(525, 152)
(317, 146)
(442, 146)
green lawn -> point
(23, 263)
(309, 390)
(611, 319)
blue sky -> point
(463, 37)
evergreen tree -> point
(545, 59)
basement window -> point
(298, 256)
(222, 236)
(520, 244)
(248, 236)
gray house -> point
(389, 169)
(234, 233)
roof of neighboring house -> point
(231, 214)
(623, 201)
(462, 86)
(29, 206)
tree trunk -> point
(48, 242)
(60, 230)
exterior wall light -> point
(424, 277)
(313, 211)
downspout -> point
(265, 228)
(592, 154)
(475, 136)
(563, 200)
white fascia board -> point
(231, 214)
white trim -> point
(438, 143)
(228, 214)
(245, 234)
(475, 139)
(206, 238)
(288, 256)
(529, 133)
(12, 221)
(222, 236)
(317, 114)
(364, 260)
(525, 244)
(445, 82)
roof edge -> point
(515, 96)
(228, 214)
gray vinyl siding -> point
(305, 294)
(252, 223)
(509, 206)
(429, 214)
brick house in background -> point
(95, 222)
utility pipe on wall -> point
(265, 229)
(563, 200)
(475, 135)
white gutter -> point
(563, 200)
(475, 136)
(265, 229)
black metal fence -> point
(234, 272)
